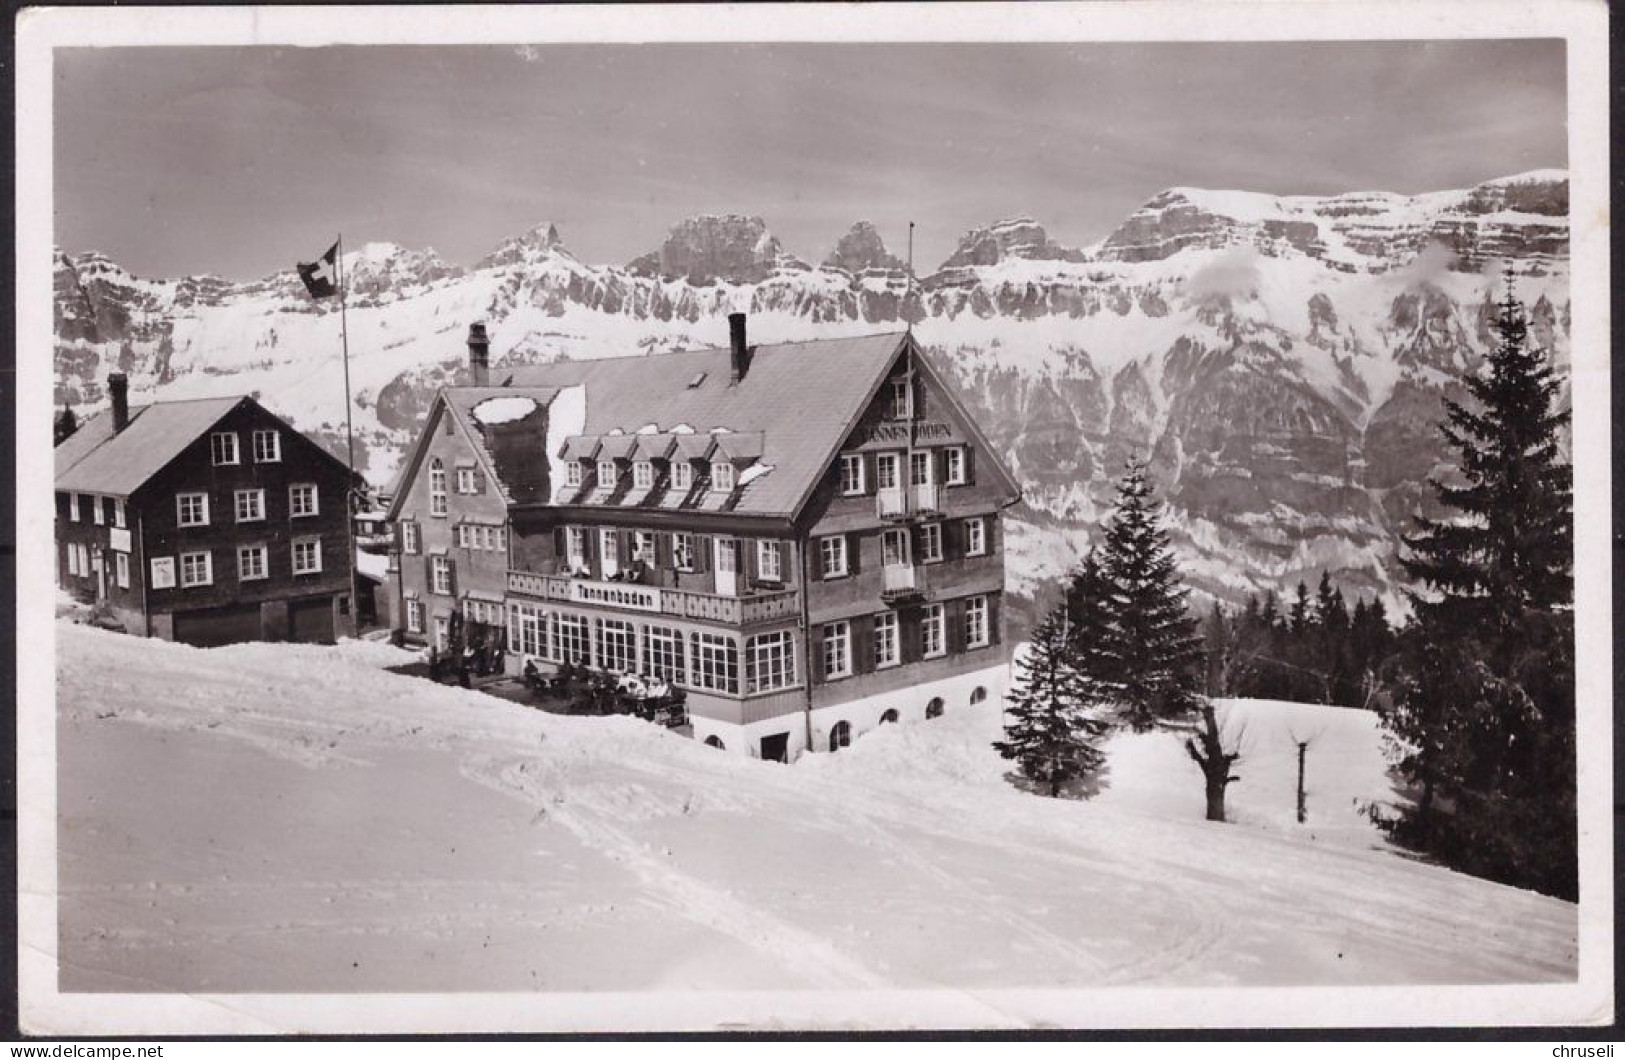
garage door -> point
(311, 621)
(215, 626)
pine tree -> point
(1154, 653)
(1049, 732)
(66, 424)
(1483, 699)
(1089, 617)
(1508, 546)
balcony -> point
(898, 503)
(756, 606)
(901, 582)
(891, 502)
(927, 497)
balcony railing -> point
(901, 581)
(891, 502)
(764, 606)
(927, 497)
(901, 502)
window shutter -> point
(953, 538)
(815, 665)
(953, 616)
(854, 546)
(969, 461)
(863, 644)
(428, 574)
(995, 633)
(451, 575)
(479, 481)
(560, 543)
(908, 633)
(663, 551)
(702, 553)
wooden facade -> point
(204, 549)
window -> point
(84, 561)
(886, 653)
(837, 650)
(192, 509)
(437, 487)
(715, 662)
(575, 547)
(722, 476)
(886, 471)
(572, 630)
(616, 646)
(840, 736)
(889, 717)
(197, 568)
(223, 444)
(121, 569)
(307, 555)
(953, 466)
(643, 475)
(682, 475)
(411, 542)
(976, 624)
(267, 447)
(459, 534)
(852, 474)
(465, 480)
(302, 500)
(572, 474)
(898, 407)
(643, 546)
(978, 695)
(832, 556)
(609, 551)
(933, 709)
(894, 548)
(118, 511)
(919, 467)
(606, 474)
(682, 551)
(663, 654)
(715, 741)
(931, 542)
(499, 538)
(73, 507)
(440, 575)
(73, 560)
(250, 505)
(98, 512)
(932, 626)
(251, 563)
(769, 567)
(527, 630)
(770, 662)
(414, 616)
(975, 537)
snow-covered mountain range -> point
(1282, 358)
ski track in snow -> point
(904, 861)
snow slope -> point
(279, 817)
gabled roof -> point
(801, 397)
(95, 460)
(740, 445)
(460, 402)
(651, 446)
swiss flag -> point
(321, 275)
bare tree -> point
(1206, 746)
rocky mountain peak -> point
(1017, 237)
(713, 247)
(862, 248)
(528, 248)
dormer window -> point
(606, 474)
(722, 476)
(572, 474)
(682, 475)
(643, 475)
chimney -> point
(479, 356)
(738, 353)
(118, 388)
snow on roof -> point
(499, 410)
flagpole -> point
(344, 335)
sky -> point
(237, 161)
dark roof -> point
(95, 460)
(802, 398)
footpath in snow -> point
(294, 818)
